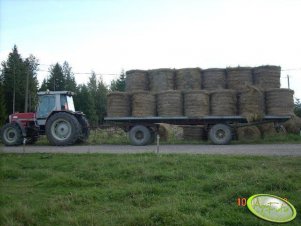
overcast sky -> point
(110, 35)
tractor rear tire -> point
(85, 129)
(140, 135)
(11, 134)
(62, 129)
(220, 134)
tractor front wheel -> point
(62, 129)
(11, 135)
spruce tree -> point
(119, 84)
(56, 80)
(70, 83)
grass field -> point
(141, 189)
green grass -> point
(141, 189)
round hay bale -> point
(279, 101)
(223, 102)
(251, 103)
(193, 133)
(164, 132)
(293, 125)
(214, 78)
(248, 133)
(267, 76)
(170, 103)
(136, 80)
(118, 104)
(161, 79)
(143, 104)
(267, 129)
(188, 79)
(196, 103)
(239, 77)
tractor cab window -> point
(46, 106)
(67, 103)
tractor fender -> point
(76, 113)
(21, 127)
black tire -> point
(85, 129)
(220, 134)
(62, 129)
(140, 135)
(11, 134)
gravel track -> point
(258, 149)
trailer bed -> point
(184, 120)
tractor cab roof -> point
(47, 92)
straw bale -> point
(188, 79)
(196, 103)
(143, 104)
(279, 101)
(248, 133)
(293, 125)
(239, 77)
(267, 76)
(214, 78)
(251, 103)
(161, 79)
(170, 103)
(193, 133)
(267, 129)
(223, 102)
(118, 104)
(136, 80)
(164, 132)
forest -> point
(19, 86)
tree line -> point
(19, 86)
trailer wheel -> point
(62, 129)
(220, 134)
(140, 135)
(11, 135)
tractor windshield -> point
(46, 105)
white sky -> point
(108, 36)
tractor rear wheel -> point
(62, 129)
(11, 135)
(85, 128)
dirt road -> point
(259, 149)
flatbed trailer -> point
(220, 129)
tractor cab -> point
(50, 101)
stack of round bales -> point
(251, 103)
(136, 80)
(196, 103)
(214, 78)
(239, 77)
(223, 102)
(161, 79)
(188, 79)
(267, 77)
(193, 133)
(170, 103)
(143, 104)
(118, 104)
(279, 101)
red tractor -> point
(55, 116)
